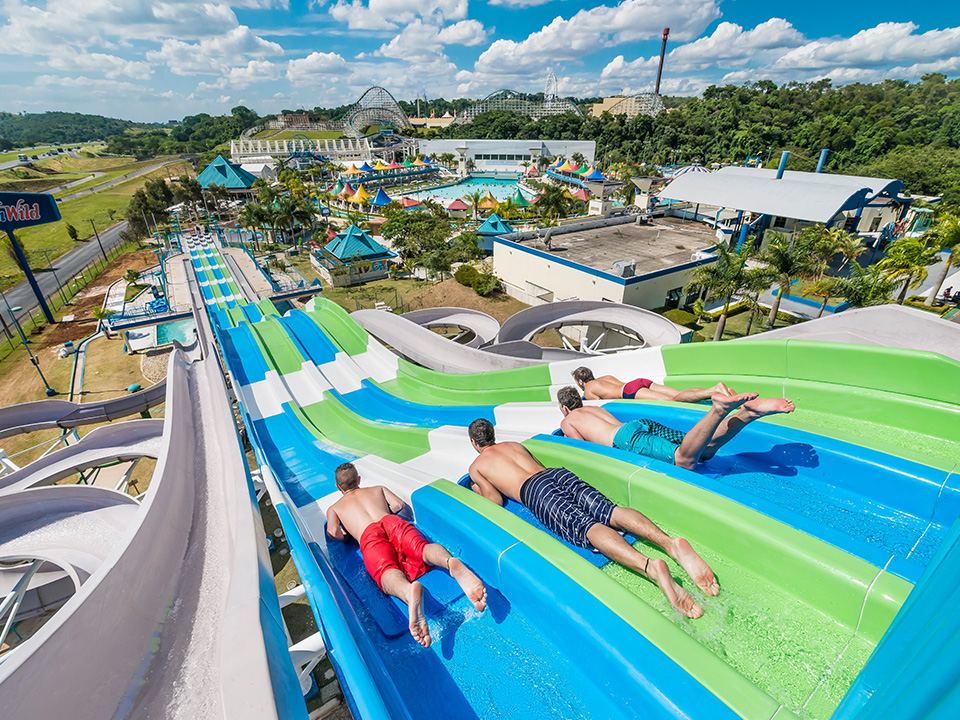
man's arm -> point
(334, 528)
(394, 502)
(484, 487)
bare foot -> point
(469, 582)
(721, 389)
(761, 407)
(678, 597)
(728, 403)
(696, 568)
(418, 621)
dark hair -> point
(481, 432)
(347, 477)
(582, 375)
(569, 398)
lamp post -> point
(98, 239)
(14, 317)
(33, 358)
(50, 264)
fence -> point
(388, 298)
(57, 297)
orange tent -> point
(489, 202)
(352, 170)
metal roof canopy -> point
(816, 197)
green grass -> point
(132, 291)
(735, 327)
(290, 134)
(96, 206)
(8, 156)
(367, 295)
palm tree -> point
(865, 287)
(756, 280)
(907, 261)
(131, 276)
(945, 235)
(251, 218)
(847, 244)
(553, 202)
(101, 313)
(507, 209)
(787, 261)
(724, 279)
(822, 288)
(473, 199)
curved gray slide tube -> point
(426, 348)
(483, 326)
(171, 623)
(653, 328)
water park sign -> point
(19, 210)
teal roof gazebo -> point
(228, 174)
(490, 228)
(353, 243)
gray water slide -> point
(433, 351)
(483, 326)
(164, 616)
(51, 414)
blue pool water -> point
(500, 189)
(182, 330)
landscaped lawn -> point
(735, 327)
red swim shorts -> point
(630, 389)
(392, 542)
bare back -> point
(503, 467)
(605, 387)
(359, 508)
(592, 424)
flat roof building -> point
(647, 265)
(508, 155)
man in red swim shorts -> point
(394, 552)
(607, 387)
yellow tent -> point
(362, 195)
(565, 167)
(352, 170)
(489, 202)
(381, 166)
(566, 194)
(418, 161)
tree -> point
(131, 276)
(907, 261)
(473, 200)
(420, 236)
(787, 262)
(72, 232)
(847, 244)
(252, 217)
(102, 313)
(553, 202)
(823, 288)
(466, 247)
(945, 234)
(724, 279)
(865, 287)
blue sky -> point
(162, 59)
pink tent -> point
(457, 204)
(582, 194)
(409, 202)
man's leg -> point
(624, 518)
(732, 425)
(394, 582)
(690, 395)
(694, 443)
(473, 588)
(610, 543)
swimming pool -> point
(183, 331)
(500, 189)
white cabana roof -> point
(816, 197)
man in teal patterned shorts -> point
(652, 439)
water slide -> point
(169, 608)
(483, 326)
(819, 523)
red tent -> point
(457, 204)
(582, 194)
(348, 191)
(409, 202)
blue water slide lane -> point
(251, 313)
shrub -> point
(466, 275)
(485, 284)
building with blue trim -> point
(351, 258)
(490, 228)
(233, 177)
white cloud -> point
(213, 55)
(92, 86)
(465, 32)
(387, 14)
(420, 41)
(518, 3)
(239, 78)
(111, 66)
(315, 67)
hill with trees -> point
(59, 127)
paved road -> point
(115, 181)
(64, 268)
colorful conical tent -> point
(381, 166)
(582, 194)
(419, 163)
(574, 168)
(347, 191)
(393, 165)
(331, 233)
(409, 202)
(494, 225)
(583, 170)
(595, 175)
(565, 167)
(567, 194)
(381, 199)
(352, 170)
(407, 163)
(365, 167)
(361, 195)
(519, 200)
(457, 205)
(489, 202)
(337, 189)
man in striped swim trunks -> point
(646, 437)
(582, 515)
(607, 387)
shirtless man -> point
(646, 437)
(394, 552)
(607, 387)
(582, 515)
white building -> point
(613, 259)
(508, 155)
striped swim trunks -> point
(565, 504)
